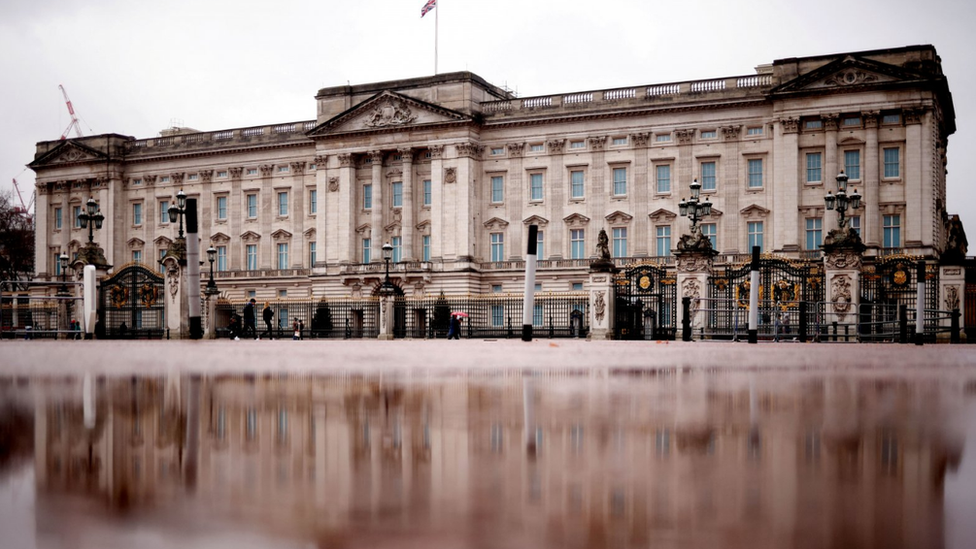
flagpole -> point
(437, 10)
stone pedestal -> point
(694, 268)
(386, 318)
(601, 303)
(842, 276)
(952, 291)
(210, 315)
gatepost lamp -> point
(92, 218)
(694, 209)
(177, 210)
(211, 257)
(387, 286)
(841, 202)
(63, 263)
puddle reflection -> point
(690, 460)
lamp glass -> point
(181, 199)
(842, 181)
(64, 261)
(387, 251)
(829, 201)
(695, 189)
(211, 254)
(91, 205)
(173, 212)
(683, 208)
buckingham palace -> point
(450, 170)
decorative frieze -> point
(177, 177)
(830, 121)
(470, 150)
(870, 119)
(321, 161)
(912, 116)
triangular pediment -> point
(848, 72)
(68, 152)
(250, 236)
(662, 214)
(136, 242)
(754, 211)
(364, 228)
(309, 233)
(496, 223)
(219, 238)
(281, 234)
(618, 217)
(535, 220)
(388, 111)
(576, 220)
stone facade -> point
(451, 170)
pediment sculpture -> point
(389, 112)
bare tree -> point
(16, 240)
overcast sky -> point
(133, 67)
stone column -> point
(322, 189)
(437, 202)
(842, 275)
(952, 291)
(781, 182)
(176, 314)
(341, 245)
(916, 198)
(297, 212)
(694, 268)
(376, 215)
(386, 318)
(870, 181)
(406, 223)
(267, 254)
(640, 190)
(210, 315)
(236, 201)
(601, 303)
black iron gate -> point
(783, 285)
(131, 304)
(645, 305)
(890, 284)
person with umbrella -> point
(454, 329)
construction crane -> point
(74, 119)
(25, 208)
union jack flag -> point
(431, 4)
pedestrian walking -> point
(294, 328)
(249, 320)
(454, 328)
(268, 314)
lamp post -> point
(92, 219)
(211, 285)
(63, 263)
(177, 210)
(841, 202)
(387, 287)
(694, 208)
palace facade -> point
(450, 170)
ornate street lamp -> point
(177, 210)
(694, 208)
(92, 219)
(211, 285)
(63, 263)
(841, 202)
(387, 287)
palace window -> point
(221, 207)
(620, 181)
(576, 184)
(754, 131)
(283, 169)
(221, 258)
(813, 125)
(76, 215)
(537, 147)
(755, 229)
(663, 173)
(252, 171)
(892, 231)
(222, 174)
(497, 189)
(892, 167)
(708, 230)
(891, 119)
(856, 224)
(708, 176)
(535, 186)
(620, 242)
(709, 134)
(367, 197)
(252, 206)
(852, 164)
(497, 246)
(755, 166)
(619, 141)
(311, 254)
(814, 233)
(663, 240)
(251, 253)
(851, 121)
(577, 144)
(313, 201)
(426, 248)
(367, 247)
(427, 195)
(282, 203)
(397, 244)
(662, 137)
(497, 151)
(814, 168)
(398, 194)
(137, 256)
(164, 211)
(57, 218)
(497, 316)
(137, 213)
(577, 246)
(539, 250)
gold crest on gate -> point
(645, 282)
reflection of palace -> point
(835, 462)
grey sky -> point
(132, 67)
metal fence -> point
(26, 316)
(484, 316)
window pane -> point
(536, 186)
(282, 256)
(708, 176)
(755, 235)
(282, 203)
(620, 181)
(221, 207)
(366, 250)
(397, 249)
(311, 254)
(755, 173)
(814, 170)
(891, 165)
(427, 198)
(221, 258)
(576, 244)
(892, 231)
(576, 178)
(852, 164)
(814, 233)
(426, 247)
(367, 197)
(664, 179)
(709, 230)
(137, 214)
(664, 241)
(497, 247)
(620, 242)
(252, 257)
(497, 188)
(313, 202)
(397, 194)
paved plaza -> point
(466, 356)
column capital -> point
(406, 154)
(376, 157)
(436, 151)
(790, 124)
(870, 119)
(830, 121)
(346, 160)
(321, 161)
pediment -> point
(281, 234)
(715, 213)
(68, 152)
(393, 228)
(250, 236)
(662, 214)
(496, 223)
(424, 227)
(136, 242)
(754, 211)
(219, 238)
(576, 220)
(848, 72)
(309, 233)
(619, 217)
(535, 220)
(364, 228)
(162, 241)
(388, 111)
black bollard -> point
(803, 321)
(685, 319)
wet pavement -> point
(486, 444)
